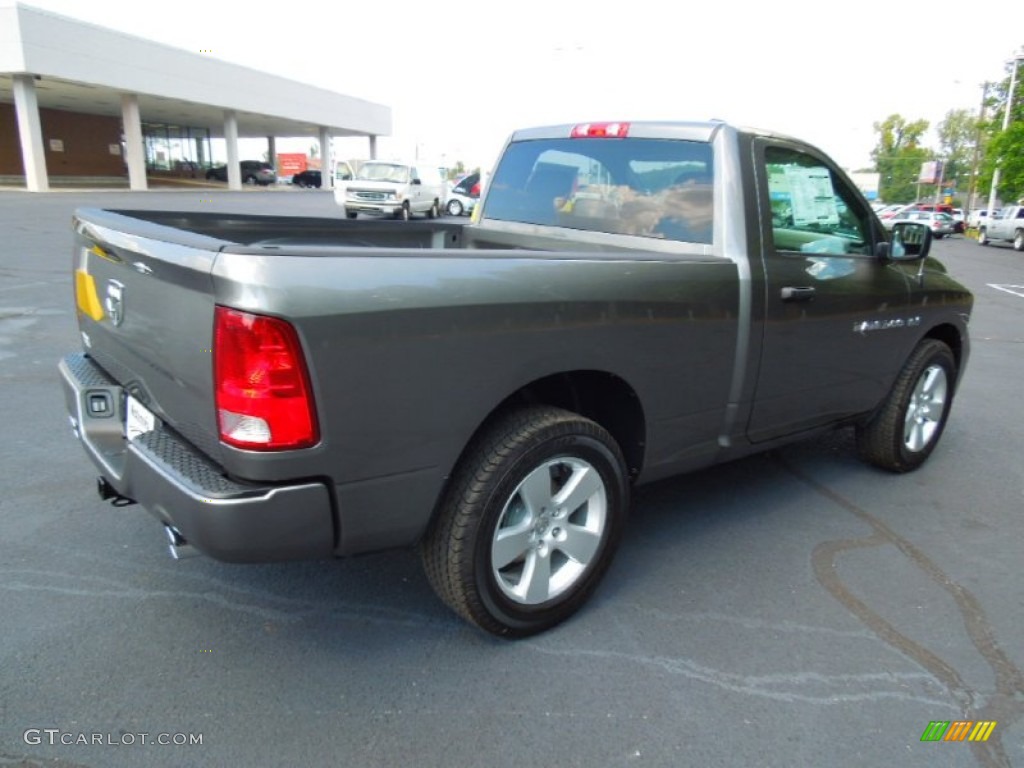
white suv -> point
(387, 188)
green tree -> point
(898, 156)
(456, 170)
(957, 135)
(1005, 148)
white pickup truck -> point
(1006, 225)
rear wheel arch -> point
(604, 398)
(600, 396)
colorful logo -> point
(958, 730)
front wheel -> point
(403, 213)
(1018, 240)
(904, 432)
(983, 237)
(530, 521)
(350, 214)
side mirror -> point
(910, 241)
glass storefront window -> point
(176, 148)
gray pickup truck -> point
(631, 301)
(1005, 226)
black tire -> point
(903, 433)
(454, 208)
(434, 211)
(1018, 240)
(350, 214)
(528, 456)
(249, 180)
(983, 237)
(403, 213)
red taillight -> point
(600, 131)
(264, 401)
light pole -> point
(1006, 124)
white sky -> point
(460, 76)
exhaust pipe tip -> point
(105, 489)
(177, 546)
(109, 493)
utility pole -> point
(976, 157)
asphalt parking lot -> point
(796, 608)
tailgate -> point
(145, 311)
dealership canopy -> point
(63, 72)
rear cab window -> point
(656, 188)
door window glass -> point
(813, 210)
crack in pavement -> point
(1007, 705)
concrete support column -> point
(272, 152)
(373, 147)
(131, 121)
(326, 160)
(231, 139)
(30, 131)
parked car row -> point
(941, 224)
(398, 189)
(253, 172)
(890, 214)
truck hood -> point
(358, 185)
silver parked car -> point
(941, 224)
(459, 204)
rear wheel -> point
(982, 237)
(530, 522)
(454, 208)
(904, 432)
(350, 214)
(1018, 240)
(434, 211)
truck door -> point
(1005, 223)
(832, 308)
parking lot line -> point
(1016, 290)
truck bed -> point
(203, 230)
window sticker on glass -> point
(812, 196)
